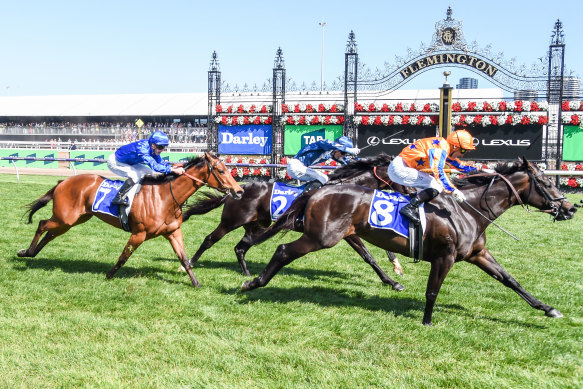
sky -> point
(84, 47)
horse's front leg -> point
(439, 269)
(356, 243)
(486, 261)
(177, 242)
(133, 243)
(284, 255)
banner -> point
(297, 137)
(30, 153)
(572, 143)
(506, 142)
(246, 139)
(374, 140)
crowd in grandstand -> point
(104, 132)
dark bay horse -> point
(454, 232)
(252, 210)
(156, 209)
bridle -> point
(381, 179)
(212, 170)
(550, 201)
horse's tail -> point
(41, 202)
(287, 221)
(204, 205)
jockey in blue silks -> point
(137, 159)
(314, 153)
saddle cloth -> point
(282, 196)
(384, 212)
(105, 194)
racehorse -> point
(454, 232)
(252, 210)
(156, 209)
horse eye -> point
(221, 171)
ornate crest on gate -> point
(448, 35)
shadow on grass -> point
(84, 266)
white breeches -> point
(299, 171)
(135, 172)
(402, 174)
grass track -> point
(324, 321)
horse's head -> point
(219, 176)
(544, 195)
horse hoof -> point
(21, 253)
(245, 286)
(554, 313)
(398, 270)
(398, 287)
(181, 269)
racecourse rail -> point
(238, 165)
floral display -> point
(312, 108)
(498, 120)
(571, 118)
(396, 107)
(572, 181)
(243, 108)
(312, 120)
(248, 171)
(242, 120)
(389, 120)
(574, 105)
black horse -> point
(252, 210)
(455, 232)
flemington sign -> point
(450, 58)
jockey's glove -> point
(353, 150)
(458, 196)
(491, 171)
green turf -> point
(324, 321)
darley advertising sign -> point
(246, 139)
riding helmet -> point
(462, 139)
(159, 138)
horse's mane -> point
(357, 166)
(501, 168)
(161, 178)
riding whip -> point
(491, 221)
(388, 137)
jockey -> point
(320, 151)
(137, 159)
(431, 154)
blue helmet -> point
(344, 141)
(159, 138)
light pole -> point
(323, 24)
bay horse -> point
(252, 211)
(156, 209)
(454, 232)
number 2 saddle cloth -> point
(384, 212)
(282, 196)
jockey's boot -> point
(121, 198)
(312, 185)
(410, 210)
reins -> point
(380, 178)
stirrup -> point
(312, 185)
(411, 213)
(123, 218)
(123, 201)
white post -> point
(323, 24)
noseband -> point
(549, 200)
(211, 169)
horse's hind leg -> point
(486, 261)
(177, 242)
(356, 243)
(135, 241)
(284, 255)
(52, 228)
